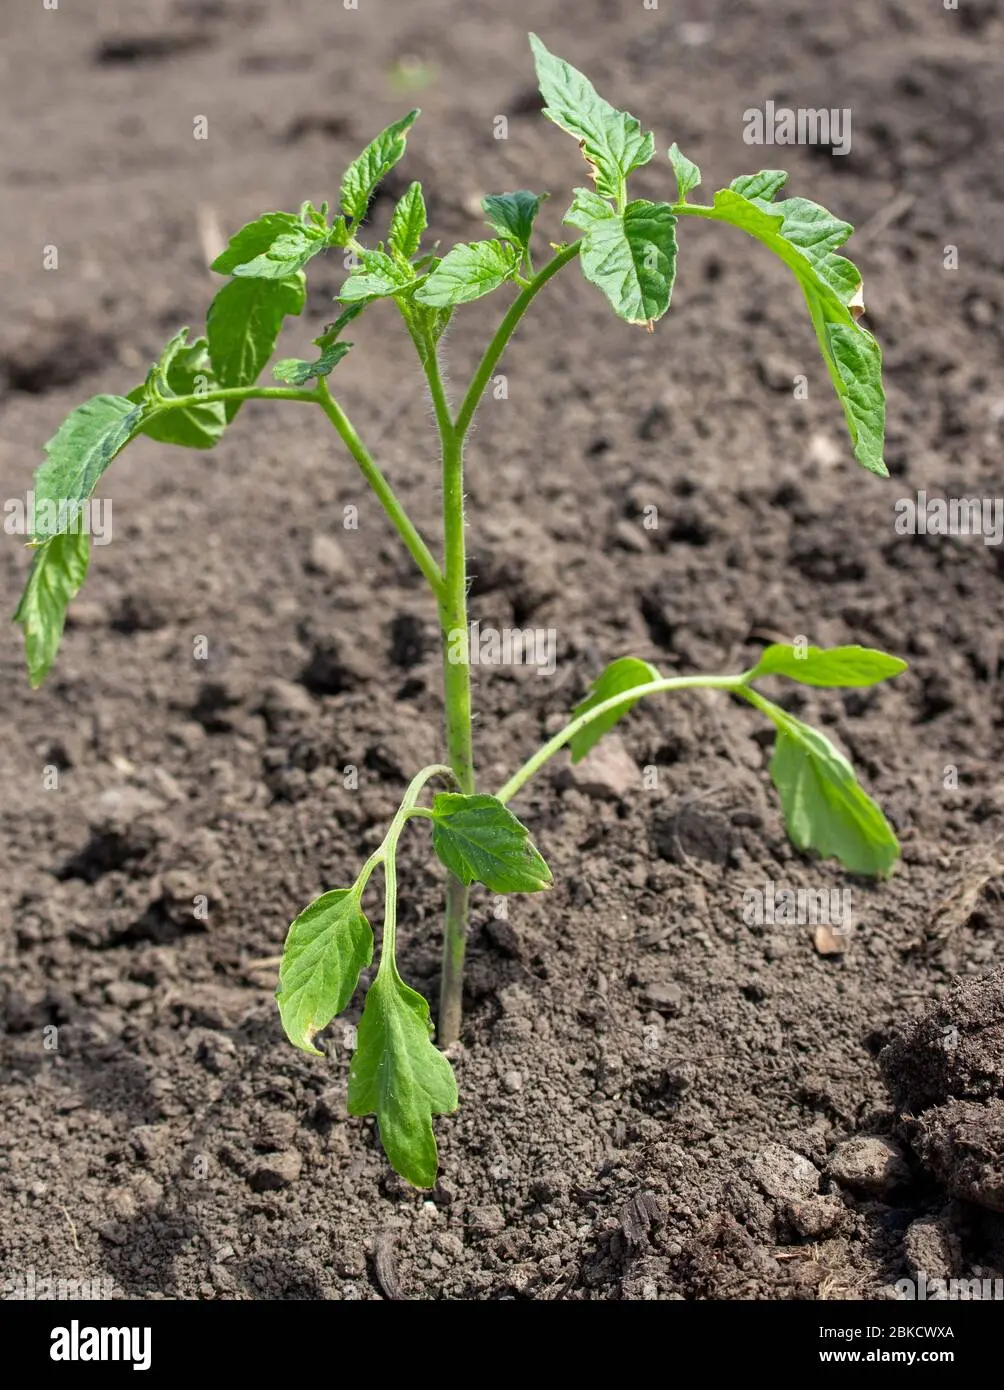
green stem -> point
(385, 493)
(386, 854)
(616, 702)
(236, 393)
(456, 691)
(504, 332)
(453, 616)
(404, 812)
(451, 987)
(698, 210)
(388, 940)
(428, 355)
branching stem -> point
(616, 702)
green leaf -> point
(398, 1075)
(76, 457)
(766, 184)
(381, 275)
(182, 370)
(512, 215)
(317, 220)
(688, 176)
(805, 236)
(285, 256)
(326, 948)
(243, 324)
(827, 666)
(630, 256)
(314, 217)
(376, 160)
(854, 362)
(621, 675)
(479, 839)
(333, 331)
(408, 222)
(612, 142)
(469, 271)
(825, 808)
(58, 569)
(297, 372)
(278, 245)
(254, 239)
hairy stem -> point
(236, 393)
(385, 493)
(627, 697)
(456, 690)
(453, 617)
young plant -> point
(626, 247)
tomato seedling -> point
(626, 249)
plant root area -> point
(664, 1094)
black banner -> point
(154, 1341)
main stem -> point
(453, 616)
(452, 601)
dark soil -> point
(658, 1100)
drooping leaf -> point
(512, 215)
(183, 369)
(688, 176)
(326, 948)
(76, 457)
(377, 159)
(479, 839)
(630, 256)
(58, 569)
(398, 1075)
(408, 222)
(381, 275)
(806, 237)
(612, 141)
(856, 358)
(468, 271)
(828, 666)
(620, 676)
(297, 372)
(825, 808)
(243, 324)
(803, 234)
